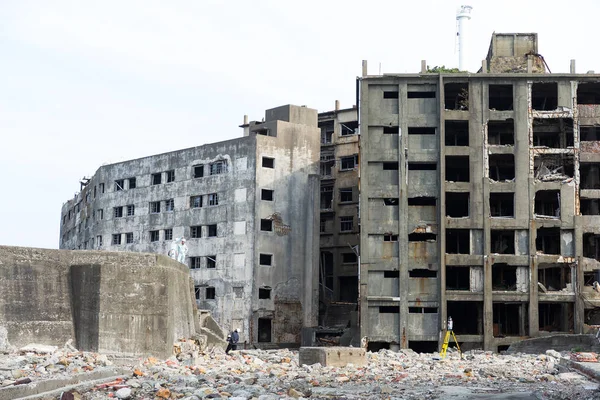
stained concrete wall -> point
(106, 302)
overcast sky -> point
(83, 83)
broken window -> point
(266, 225)
(457, 204)
(501, 132)
(197, 291)
(349, 258)
(326, 224)
(99, 241)
(196, 201)
(502, 241)
(210, 293)
(266, 194)
(391, 274)
(590, 206)
(95, 191)
(198, 171)
(119, 185)
(502, 204)
(589, 175)
(170, 175)
(554, 277)
(345, 195)
(212, 230)
(588, 93)
(327, 162)
(421, 131)
(116, 238)
(389, 310)
(211, 261)
(326, 197)
(467, 317)
(168, 234)
(264, 330)
(390, 94)
(156, 179)
(457, 241)
(391, 130)
(390, 166)
(218, 167)
(456, 133)
(587, 133)
(390, 238)
(422, 310)
(458, 278)
(510, 319)
(547, 203)
(169, 205)
(501, 97)
(457, 168)
(101, 187)
(589, 277)
(213, 199)
(348, 163)
(502, 167)
(265, 259)
(553, 167)
(422, 237)
(154, 236)
(195, 232)
(264, 293)
(393, 201)
(544, 96)
(591, 246)
(456, 96)
(421, 166)
(194, 262)
(548, 240)
(419, 201)
(556, 133)
(556, 317)
(130, 210)
(421, 95)
(268, 162)
(117, 212)
(349, 128)
(132, 184)
(326, 132)
(422, 273)
(346, 224)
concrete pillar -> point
(403, 215)
(423, 66)
(484, 67)
(337, 105)
(364, 68)
(529, 64)
(572, 67)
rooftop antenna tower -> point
(463, 15)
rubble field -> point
(275, 374)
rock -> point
(294, 393)
(553, 353)
(4, 345)
(17, 373)
(124, 393)
(38, 348)
(163, 393)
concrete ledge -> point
(332, 356)
(590, 369)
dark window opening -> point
(326, 132)
(588, 93)
(547, 203)
(154, 236)
(196, 201)
(589, 133)
(156, 178)
(422, 310)
(554, 277)
(348, 289)
(326, 271)
(326, 197)
(391, 201)
(589, 175)
(422, 201)
(390, 166)
(348, 163)
(589, 277)
(422, 237)
(212, 230)
(117, 212)
(422, 273)
(421, 95)
(268, 162)
(501, 97)
(390, 94)
(456, 96)
(132, 184)
(510, 319)
(502, 241)
(349, 128)
(374, 347)
(556, 317)
(457, 168)
(590, 206)
(210, 293)
(195, 232)
(346, 195)
(553, 167)
(265, 259)
(458, 278)
(544, 96)
(116, 238)
(349, 258)
(198, 171)
(119, 185)
(423, 346)
(504, 277)
(502, 204)
(390, 238)
(197, 291)
(389, 310)
(502, 167)
(211, 261)
(264, 330)
(457, 241)
(346, 224)
(266, 194)
(391, 274)
(457, 204)
(467, 317)
(556, 133)
(170, 176)
(548, 240)
(591, 246)
(421, 131)
(456, 133)
(264, 293)
(501, 132)
(418, 166)
(194, 262)
(266, 225)
(391, 130)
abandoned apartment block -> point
(480, 200)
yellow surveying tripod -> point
(449, 332)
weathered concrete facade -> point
(479, 200)
(247, 208)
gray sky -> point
(83, 83)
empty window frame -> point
(457, 204)
(268, 162)
(349, 128)
(130, 210)
(456, 133)
(264, 330)
(346, 224)
(391, 130)
(394, 201)
(389, 310)
(99, 241)
(100, 214)
(266, 225)
(390, 94)
(326, 132)
(501, 132)
(389, 237)
(156, 179)
(547, 203)
(264, 293)
(504, 277)
(422, 273)
(501, 97)
(421, 95)
(169, 234)
(170, 175)
(196, 201)
(422, 310)
(390, 166)
(119, 185)
(154, 236)
(548, 240)
(195, 262)
(129, 237)
(421, 166)
(502, 241)
(348, 163)
(422, 237)
(457, 169)
(326, 197)
(554, 277)
(212, 230)
(391, 274)
(458, 241)
(265, 259)
(211, 261)
(170, 205)
(101, 187)
(458, 278)
(346, 195)
(553, 167)
(421, 130)
(589, 175)
(116, 239)
(456, 96)
(327, 162)
(349, 258)
(117, 212)
(588, 93)
(197, 292)
(502, 167)
(132, 183)
(213, 199)
(266, 194)
(510, 319)
(556, 133)
(544, 96)
(196, 232)
(210, 293)
(591, 246)
(218, 167)
(586, 134)
(502, 204)
(198, 171)
(556, 317)
(590, 206)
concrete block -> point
(332, 356)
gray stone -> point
(123, 393)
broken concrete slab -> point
(332, 356)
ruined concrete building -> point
(248, 208)
(479, 201)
